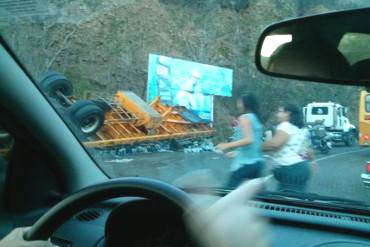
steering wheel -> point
(121, 187)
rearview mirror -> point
(332, 48)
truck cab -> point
(332, 116)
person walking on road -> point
(246, 143)
(289, 151)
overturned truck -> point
(123, 119)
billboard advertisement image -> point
(184, 83)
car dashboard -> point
(140, 222)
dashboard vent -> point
(88, 215)
(311, 212)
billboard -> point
(184, 83)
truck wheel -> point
(86, 116)
(349, 139)
(53, 81)
(102, 104)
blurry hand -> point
(15, 239)
(229, 222)
(231, 154)
(222, 146)
(314, 167)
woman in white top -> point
(287, 150)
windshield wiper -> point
(218, 191)
(313, 198)
(294, 198)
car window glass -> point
(163, 89)
(367, 103)
(319, 110)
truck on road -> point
(333, 116)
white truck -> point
(333, 116)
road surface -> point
(338, 172)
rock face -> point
(103, 46)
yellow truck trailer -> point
(122, 119)
(131, 120)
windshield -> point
(161, 89)
(320, 110)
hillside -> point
(105, 46)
